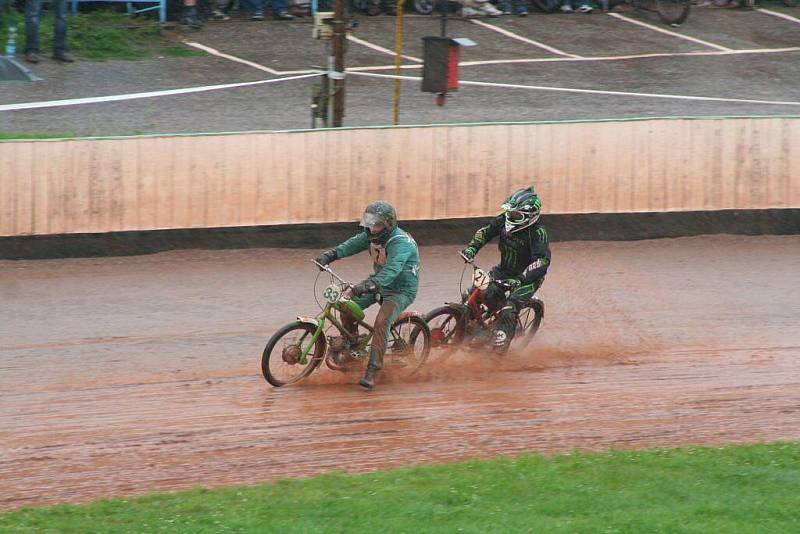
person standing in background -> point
(190, 18)
(33, 16)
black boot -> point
(369, 377)
(507, 329)
(191, 19)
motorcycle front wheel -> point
(281, 362)
(408, 346)
(529, 320)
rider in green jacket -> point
(396, 266)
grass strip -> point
(751, 488)
(22, 136)
(102, 35)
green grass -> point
(17, 136)
(103, 35)
(753, 488)
(11, 135)
(21, 136)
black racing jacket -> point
(524, 254)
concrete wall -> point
(445, 172)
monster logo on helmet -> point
(521, 210)
(379, 220)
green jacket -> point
(396, 263)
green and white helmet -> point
(521, 210)
(379, 220)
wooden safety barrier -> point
(205, 181)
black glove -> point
(509, 284)
(327, 257)
(365, 286)
(469, 253)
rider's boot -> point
(500, 342)
(506, 329)
(368, 381)
(375, 364)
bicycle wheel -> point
(672, 12)
(280, 362)
(529, 320)
(408, 346)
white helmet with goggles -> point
(521, 210)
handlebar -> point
(333, 274)
(471, 261)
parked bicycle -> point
(297, 349)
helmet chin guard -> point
(511, 228)
(521, 210)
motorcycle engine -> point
(338, 344)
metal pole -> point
(443, 11)
(443, 8)
(339, 36)
(398, 56)
(331, 92)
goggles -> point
(517, 216)
(372, 222)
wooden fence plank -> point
(52, 187)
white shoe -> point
(585, 8)
(491, 11)
(469, 12)
(566, 9)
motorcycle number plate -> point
(332, 293)
(480, 279)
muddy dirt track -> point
(124, 375)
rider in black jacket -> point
(524, 259)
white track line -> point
(700, 53)
(568, 57)
(521, 38)
(380, 48)
(781, 15)
(215, 52)
(674, 34)
(299, 74)
(636, 56)
(592, 91)
(133, 96)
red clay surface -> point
(120, 376)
